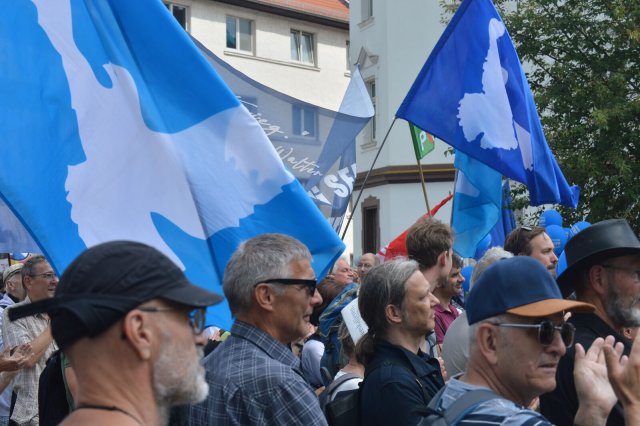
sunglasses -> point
(310, 285)
(547, 330)
(196, 316)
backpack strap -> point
(327, 379)
(339, 381)
(460, 406)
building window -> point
(239, 34)
(371, 88)
(367, 9)
(370, 225)
(181, 13)
(302, 49)
(305, 121)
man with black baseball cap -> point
(517, 336)
(130, 323)
(603, 268)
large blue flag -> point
(476, 203)
(473, 94)
(317, 145)
(114, 126)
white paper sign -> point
(355, 324)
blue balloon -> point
(577, 227)
(466, 273)
(559, 237)
(550, 217)
(562, 264)
(483, 246)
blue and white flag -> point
(473, 94)
(114, 126)
(477, 203)
(317, 145)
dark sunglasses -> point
(309, 284)
(196, 316)
(546, 331)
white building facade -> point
(391, 40)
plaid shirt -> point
(255, 380)
(25, 384)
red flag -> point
(398, 247)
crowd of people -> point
(122, 331)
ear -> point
(264, 296)
(442, 259)
(487, 337)
(137, 331)
(598, 280)
(393, 314)
(26, 282)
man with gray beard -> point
(603, 268)
(131, 325)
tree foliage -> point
(583, 60)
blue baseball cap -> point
(520, 286)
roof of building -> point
(332, 10)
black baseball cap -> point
(105, 282)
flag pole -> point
(453, 201)
(364, 182)
(424, 187)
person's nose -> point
(434, 300)
(316, 299)
(200, 339)
(557, 346)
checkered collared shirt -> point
(25, 384)
(255, 380)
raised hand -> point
(624, 375)
(595, 395)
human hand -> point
(595, 394)
(624, 375)
(15, 358)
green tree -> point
(583, 57)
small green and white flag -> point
(423, 142)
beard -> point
(623, 311)
(177, 380)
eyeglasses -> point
(309, 284)
(196, 316)
(633, 273)
(49, 276)
(546, 331)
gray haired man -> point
(253, 376)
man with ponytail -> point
(397, 304)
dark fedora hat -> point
(603, 240)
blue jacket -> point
(396, 382)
